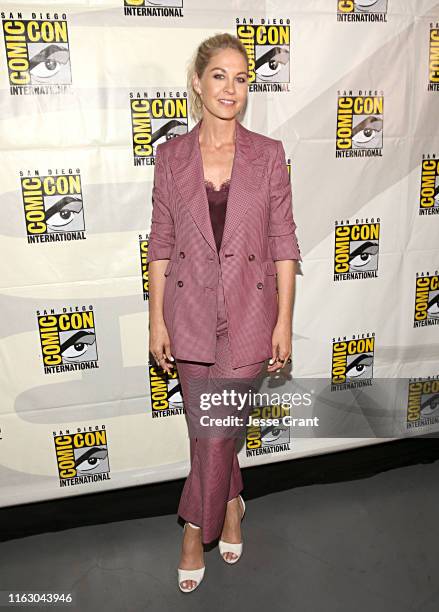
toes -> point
(188, 584)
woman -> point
(214, 301)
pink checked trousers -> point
(215, 475)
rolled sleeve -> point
(281, 227)
(162, 234)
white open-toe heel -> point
(225, 547)
(195, 575)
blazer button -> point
(251, 257)
(260, 285)
(182, 255)
(180, 283)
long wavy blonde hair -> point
(197, 65)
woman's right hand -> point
(160, 346)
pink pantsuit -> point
(220, 307)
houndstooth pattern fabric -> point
(259, 229)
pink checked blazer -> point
(259, 229)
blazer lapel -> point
(186, 165)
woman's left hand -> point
(281, 346)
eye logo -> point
(79, 346)
(82, 457)
(423, 402)
(91, 461)
(68, 340)
(272, 437)
(352, 361)
(53, 208)
(370, 10)
(37, 55)
(268, 52)
(426, 300)
(356, 251)
(156, 120)
(165, 390)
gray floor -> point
(343, 547)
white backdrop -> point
(88, 89)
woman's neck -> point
(216, 133)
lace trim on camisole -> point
(223, 187)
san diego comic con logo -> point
(143, 248)
(356, 249)
(68, 339)
(429, 192)
(156, 120)
(269, 438)
(352, 361)
(37, 54)
(433, 60)
(53, 207)
(153, 8)
(360, 118)
(362, 10)
(165, 390)
(82, 456)
(423, 402)
(426, 299)
(268, 46)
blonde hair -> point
(197, 65)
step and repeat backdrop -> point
(88, 91)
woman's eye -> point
(240, 79)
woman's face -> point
(224, 84)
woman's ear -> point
(196, 84)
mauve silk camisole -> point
(217, 208)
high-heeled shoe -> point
(196, 575)
(225, 547)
